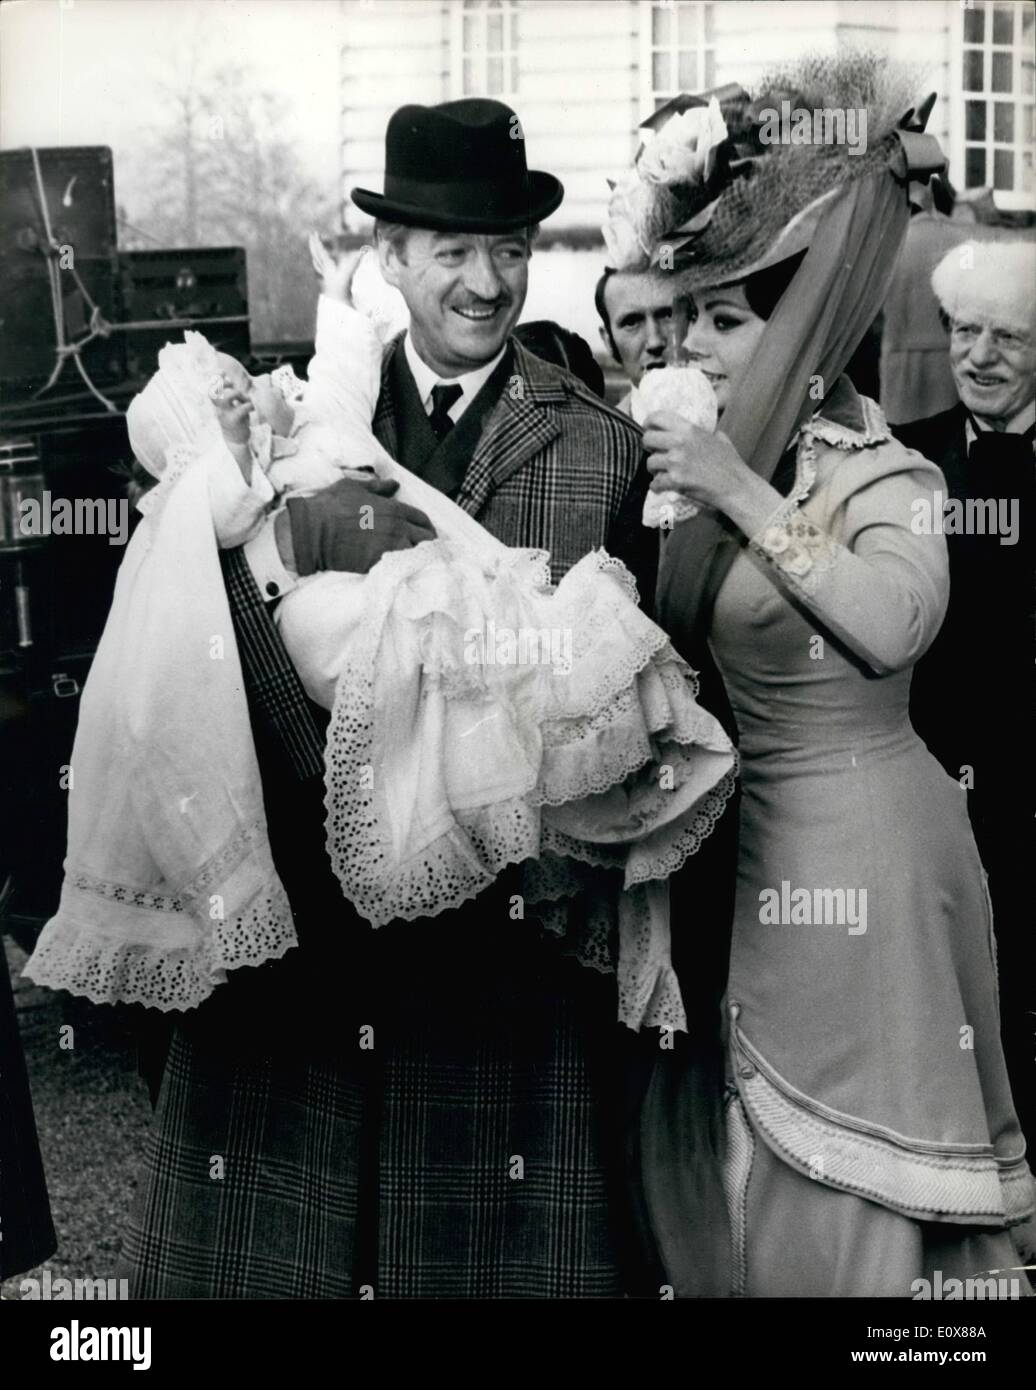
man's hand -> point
(351, 524)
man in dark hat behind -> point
(426, 1110)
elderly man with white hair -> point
(987, 292)
(972, 695)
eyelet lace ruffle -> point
(664, 510)
(121, 943)
(291, 387)
(178, 458)
(619, 767)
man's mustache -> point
(500, 302)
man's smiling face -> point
(994, 368)
(464, 290)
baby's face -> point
(269, 405)
(233, 372)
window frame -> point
(650, 100)
(1022, 142)
(459, 55)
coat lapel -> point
(521, 424)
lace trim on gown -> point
(118, 942)
(178, 459)
(633, 731)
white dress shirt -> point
(264, 560)
(1018, 424)
(471, 383)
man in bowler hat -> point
(426, 1110)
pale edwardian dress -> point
(871, 1132)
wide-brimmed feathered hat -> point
(460, 167)
(728, 182)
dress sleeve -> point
(861, 554)
(238, 508)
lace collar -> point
(848, 420)
(845, 420)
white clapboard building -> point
(582, 74)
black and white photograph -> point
(516, 666)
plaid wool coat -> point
(394, 1167)
(554, 468)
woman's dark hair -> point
(764, 289)
(602, 308)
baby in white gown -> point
(576, 744)
(444, 764)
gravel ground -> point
(92, 1113)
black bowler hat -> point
(459, 167)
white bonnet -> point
(990, 282)
(174, 406)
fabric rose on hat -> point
(629, 209)
(638, 214)
(683, 151)
(645, 204)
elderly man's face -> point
(640, 310)
(464, 291)
(994, 368)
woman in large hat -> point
(868, 1132)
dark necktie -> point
(442, 398)
(1007, 458)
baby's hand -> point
(233, 407)
(336, 277)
